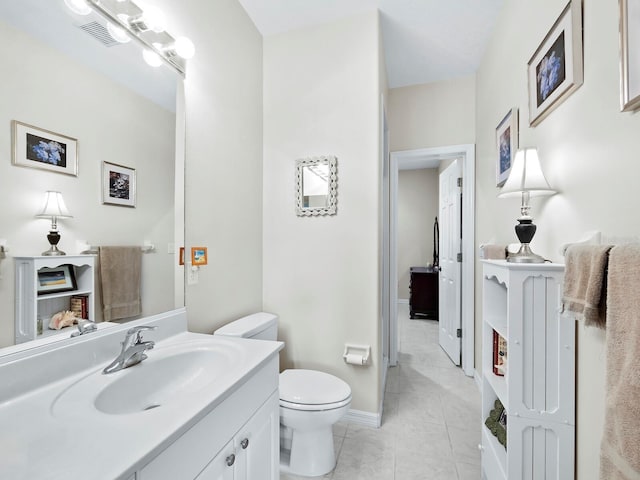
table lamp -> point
(54, 208)
(525, 179)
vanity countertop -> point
(41, 440)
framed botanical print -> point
(118, 185)
(556, 68)
(506, 144)
(39, 148)
(629, 55)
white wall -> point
(223, 95)
(321, 275)
(48, 89)
(417, 209)
(432, 115)
(589, 153)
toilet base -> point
(312, 453)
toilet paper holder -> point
(356, 354)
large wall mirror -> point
(61, 74)
(316, 186)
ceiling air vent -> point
(99, 32)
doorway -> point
(431, 158)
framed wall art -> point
(118, 185)
(55, 280)
(39, 148)
(629, 55)
(198, 256)
(556, 68)
(506, 144)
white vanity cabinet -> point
(237, 440)
(521, 303)
(29, 306)
(252, 454)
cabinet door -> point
(258, 444)
(222, 466)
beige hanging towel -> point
(585, 283)
(120, 273)
(620, 447)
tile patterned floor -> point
(431, 421)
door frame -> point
(425, 158)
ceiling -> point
(424, 40)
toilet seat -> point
(311, 390)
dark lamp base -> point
(54, 238)
(525, 230)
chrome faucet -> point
(133, 349)
(85, 326)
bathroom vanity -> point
(200, 406)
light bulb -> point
(184, 47)
(78, 6)
(154, 19)
(118, 33)
(152, 58)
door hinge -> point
(459, 333)
(459, 257)
(460, 181)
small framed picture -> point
(630, 55)
(198, 256)
(55, 280)
(506, 144)
(181, 261)
(38, 148)
(556, 69)
(118, 185)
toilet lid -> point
(310, 387)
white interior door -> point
(449, 311)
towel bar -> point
(598, 238)
(93, 250)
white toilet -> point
(310, 403)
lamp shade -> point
(526, 176)
(54, 206)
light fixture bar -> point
(174, 61)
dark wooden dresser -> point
(423, 292)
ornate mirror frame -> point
(332, 193)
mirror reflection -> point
(316, 186)
(58, 76)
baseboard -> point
(476, 377)
(403, 300)
(367, 419)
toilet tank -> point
(260, 326)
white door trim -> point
(433, 156)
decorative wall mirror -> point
(316, 186)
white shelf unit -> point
(522, 303)
(30, 306)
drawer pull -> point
(244, 443)
(231, 459)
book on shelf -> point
(79, 305)
(499, 354)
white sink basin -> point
(170, 374)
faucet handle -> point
(137, 332)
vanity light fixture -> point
(146, 24)
(79, 7)
(527, 180)
(54, 208)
